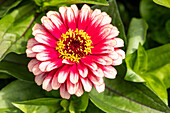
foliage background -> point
(143, 79)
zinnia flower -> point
(74, 50)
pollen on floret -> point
(74, 45)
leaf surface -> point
(136, 36)
(153, 67)
(18, 91)
(165, 3)
(156, 17)
(121, 96)
(40, 105)
(16, 66)
(6, 5)
(79, 104)
(59, 2)
(13, 27)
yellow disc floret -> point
(74, 45)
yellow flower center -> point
(74, 45)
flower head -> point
(74, 50)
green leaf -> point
(41, 105)
(152, 66)
(141, 64)
(13, 27)
(65, 106)
(121, 96)
(4, 76)
(165, 3)
(16, 66)
(158, 76)
(158, 81)
(136, 34)
(79, 104)
(58, 2)
(158, 57)
(53, 93)
(73, 105)
(10, 110)
(92, 107)
(116, 20)
(101, 7)
(168, 26)
(18, 91)
(153, 13)
(6, 5)
(38, 2)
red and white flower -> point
(74, 50)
